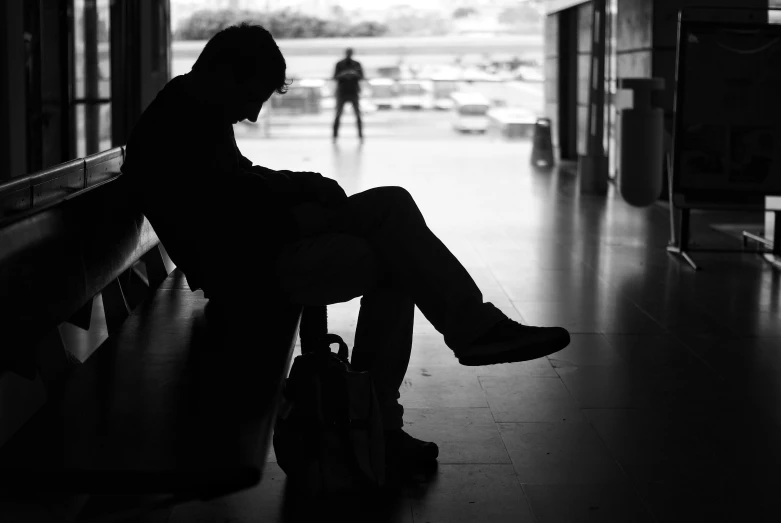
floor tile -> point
(529, 399)
(590, 314)
(756, 324)
(617, 387)
(273, 501)
(539, 368)
(587, 349)
(709, 493)
(654, 351)
(470, 493)
(438, 386)
(559, 453)
(463, 435)
(597, 503)
(547, 285)
(686, 437)
(430, 349)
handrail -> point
(41, 188)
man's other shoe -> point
(509, 341)
(401, 447)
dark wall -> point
(13, 145)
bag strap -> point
(314, 333)
(342, 351)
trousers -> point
(341, 100)
(383, 251)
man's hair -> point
(349, 50)
(248, 49)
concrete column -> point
(13, 129)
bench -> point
(173, 404)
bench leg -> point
(83, 317)
(134, 285)
(156, 270)
(115, 306)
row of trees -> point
(524, 17)
(286, 23)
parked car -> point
(470, 112)
(383, 93)
(443, 88)
(415, 94)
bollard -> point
(542, 146)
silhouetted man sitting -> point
(245, 233)
(348, 75)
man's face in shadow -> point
(247, 100)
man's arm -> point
(298, 186)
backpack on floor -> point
(328, 437)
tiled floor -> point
(665, 407)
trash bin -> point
(640, 169)
(542, 145)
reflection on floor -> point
(665, 407)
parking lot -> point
(399, 123)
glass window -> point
(92, 75)
(774, 17)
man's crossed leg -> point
(378, 246)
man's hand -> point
(290, 183)
(314, 219)
(326, 191)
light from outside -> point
(414, 57)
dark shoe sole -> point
(545, 346)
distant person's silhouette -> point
(248, 235)
(348, 75)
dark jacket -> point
(221, 219)
(348, 84)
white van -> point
(443, 87)
(415, 94)
(382, 92)
(471, 112)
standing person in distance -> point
(348, 75)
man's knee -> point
(394, 195)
